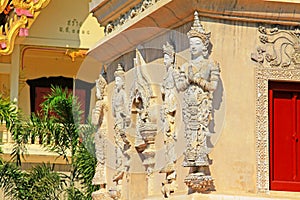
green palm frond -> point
(16, 123)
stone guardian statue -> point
(122, 120)
(197, 79)
(99, 115)
(168, 112)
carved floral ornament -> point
(18, 20)
(278, 58)
(133, 12)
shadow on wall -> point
(218, 99)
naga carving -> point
(168, 113)
(99, 115)
(197, 79)
(279, 48)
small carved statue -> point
(109, 28)
(146, 4)
(120, 114)
(133, 13)
(168, 112)
(198, 80)
(99, 120)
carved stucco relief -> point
(197, 79)
(278, 58)
(130, 14)
(140, 98)
(168, 113)
(99, 119)
(121, 122)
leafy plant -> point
(59, 126)
(41, 182)
(59, 129)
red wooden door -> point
(284, 115)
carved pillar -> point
(141, 94)
(14, 73)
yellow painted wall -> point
(64, 23)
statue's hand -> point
(190, 73)
(176, 75)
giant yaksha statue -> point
(198, 80)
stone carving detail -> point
(99, 115)
(140, 96)
(122, 120)
(279, 48)
(281, 68)
(133, 12)
(168, 113)
(198, 80)
(263, 75)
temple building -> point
(192, 99)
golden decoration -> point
(15, 23)
(73, 53)
(3, 4)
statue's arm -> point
(208, 85)
(214, 77)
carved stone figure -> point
(198, 80)
(120, 114)
(168, 113)
(99, 119)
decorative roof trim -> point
(23, 16)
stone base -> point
(198, 182)
(200, 196)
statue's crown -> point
(197, 30)
(119, 71)
(168, 49)
(101, 84)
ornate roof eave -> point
(168, 14)
(29, 11)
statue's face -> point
(168, 60)
(119, 82)
(196, 46)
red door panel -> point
(284, 121)
(283, 130)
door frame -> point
(262, 77)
